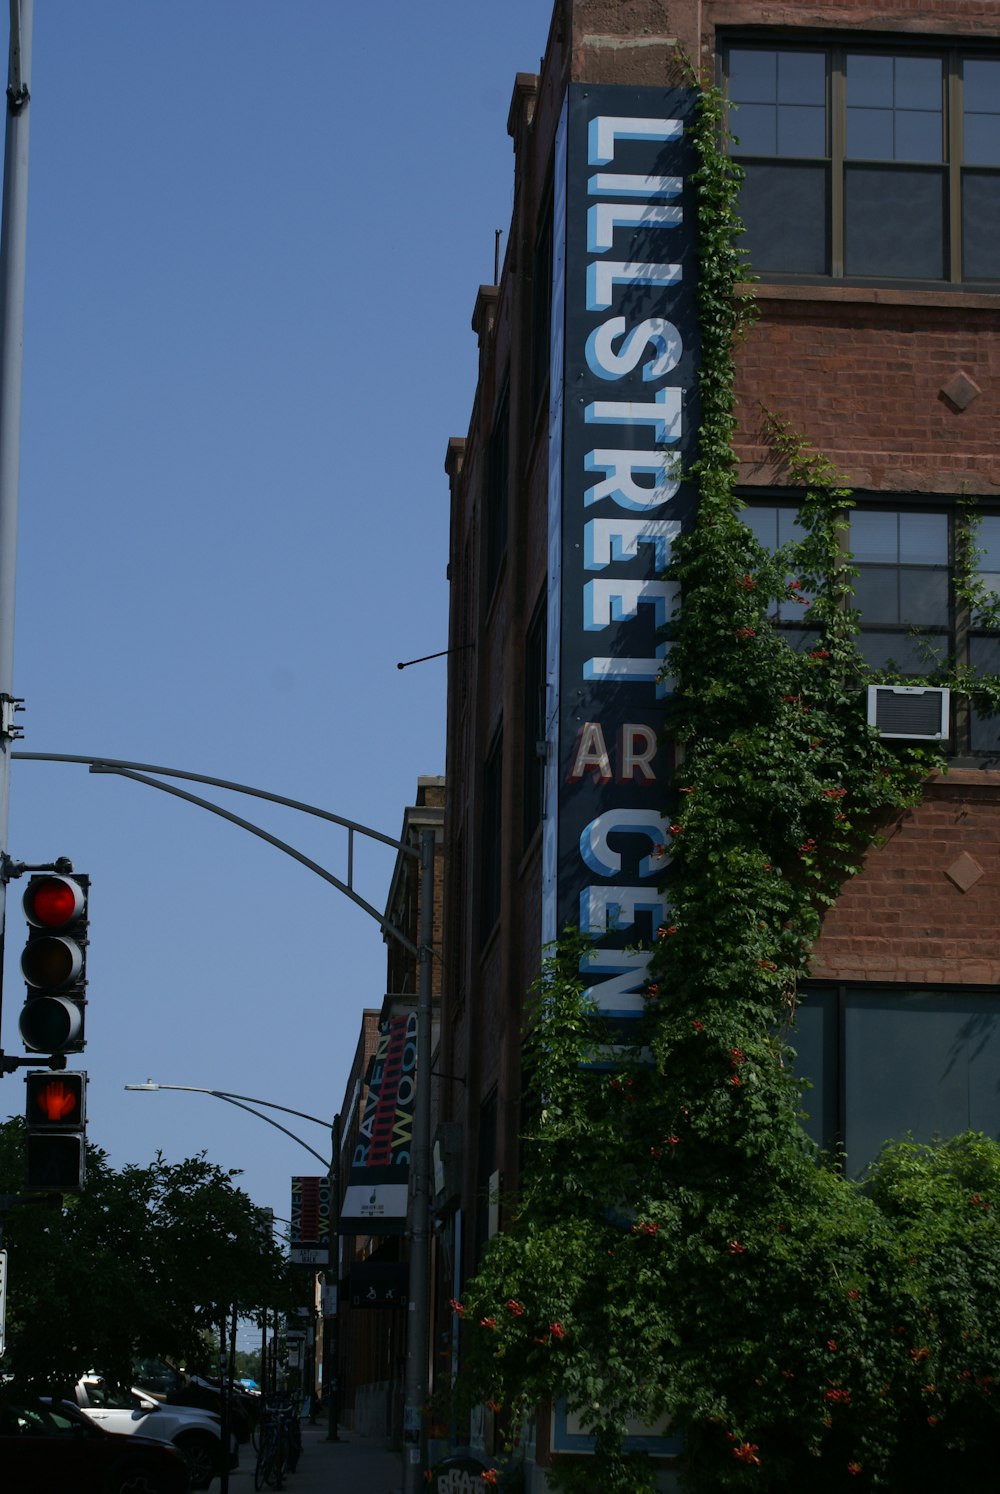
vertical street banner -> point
(378, 1186)
(623, 423)
(310, 1216)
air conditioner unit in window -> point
(915, 713)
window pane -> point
(780, 100)
(984, 656)
(988, 544)
(904, 653)
(869, 134)
(918, 136)
(753, 77)
(981, 85)
(802, 78)
(874, 536)
(923, 539)
(895, 223)
(755, 129)
(869, 82)
(980, 225)
(918, 83)
(763, 522)
(921, 1062)
(923, 596)
(789, 527)
(801, 131)
(794, 197)
(801, 640)
(894, 108)
(982, 139)
(876, 594)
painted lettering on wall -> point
(623, 426)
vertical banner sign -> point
(310, 1237)
(377, 1190)
(623, 423)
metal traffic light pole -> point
(13, 256)
(419, 1289)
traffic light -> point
(55, 1112)
(54, 963)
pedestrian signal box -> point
(55, 1113)
(54, 963)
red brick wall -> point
(925, 907)
(862, 376)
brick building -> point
(376, 1113)
(870, 137)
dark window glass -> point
(902, 583)
(541, 303)
(534, 723)
(786, 217)
(902, 592)
(495, 527)
(866, 163)
(491, 839)
(887, 1062)
(894, 223)
(485, 1167)
(774, 526)
(984, 729)
(981, 113)
(894, 108)
(981, 225)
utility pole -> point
(13, 255)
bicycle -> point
(279, 1444)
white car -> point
(196, 1434)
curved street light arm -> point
(281, 845)
(238, 1101)
(117, 764)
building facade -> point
(869, 135)
(376, 1121)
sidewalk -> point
(354, 1465)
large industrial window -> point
(495, 515)
(911, 621)
(883, 1062)
(867, 162)
(534, 722)
(491, 839)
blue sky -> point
(256, 233)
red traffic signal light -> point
(55, 1112)
(54, 963)
(56, 1101)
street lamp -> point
(418, 1318)
(332, 1170)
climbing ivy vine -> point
(678, 1253)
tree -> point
(143, 1262)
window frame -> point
(961, 631)
(953, 54)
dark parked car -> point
(47, 1447)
